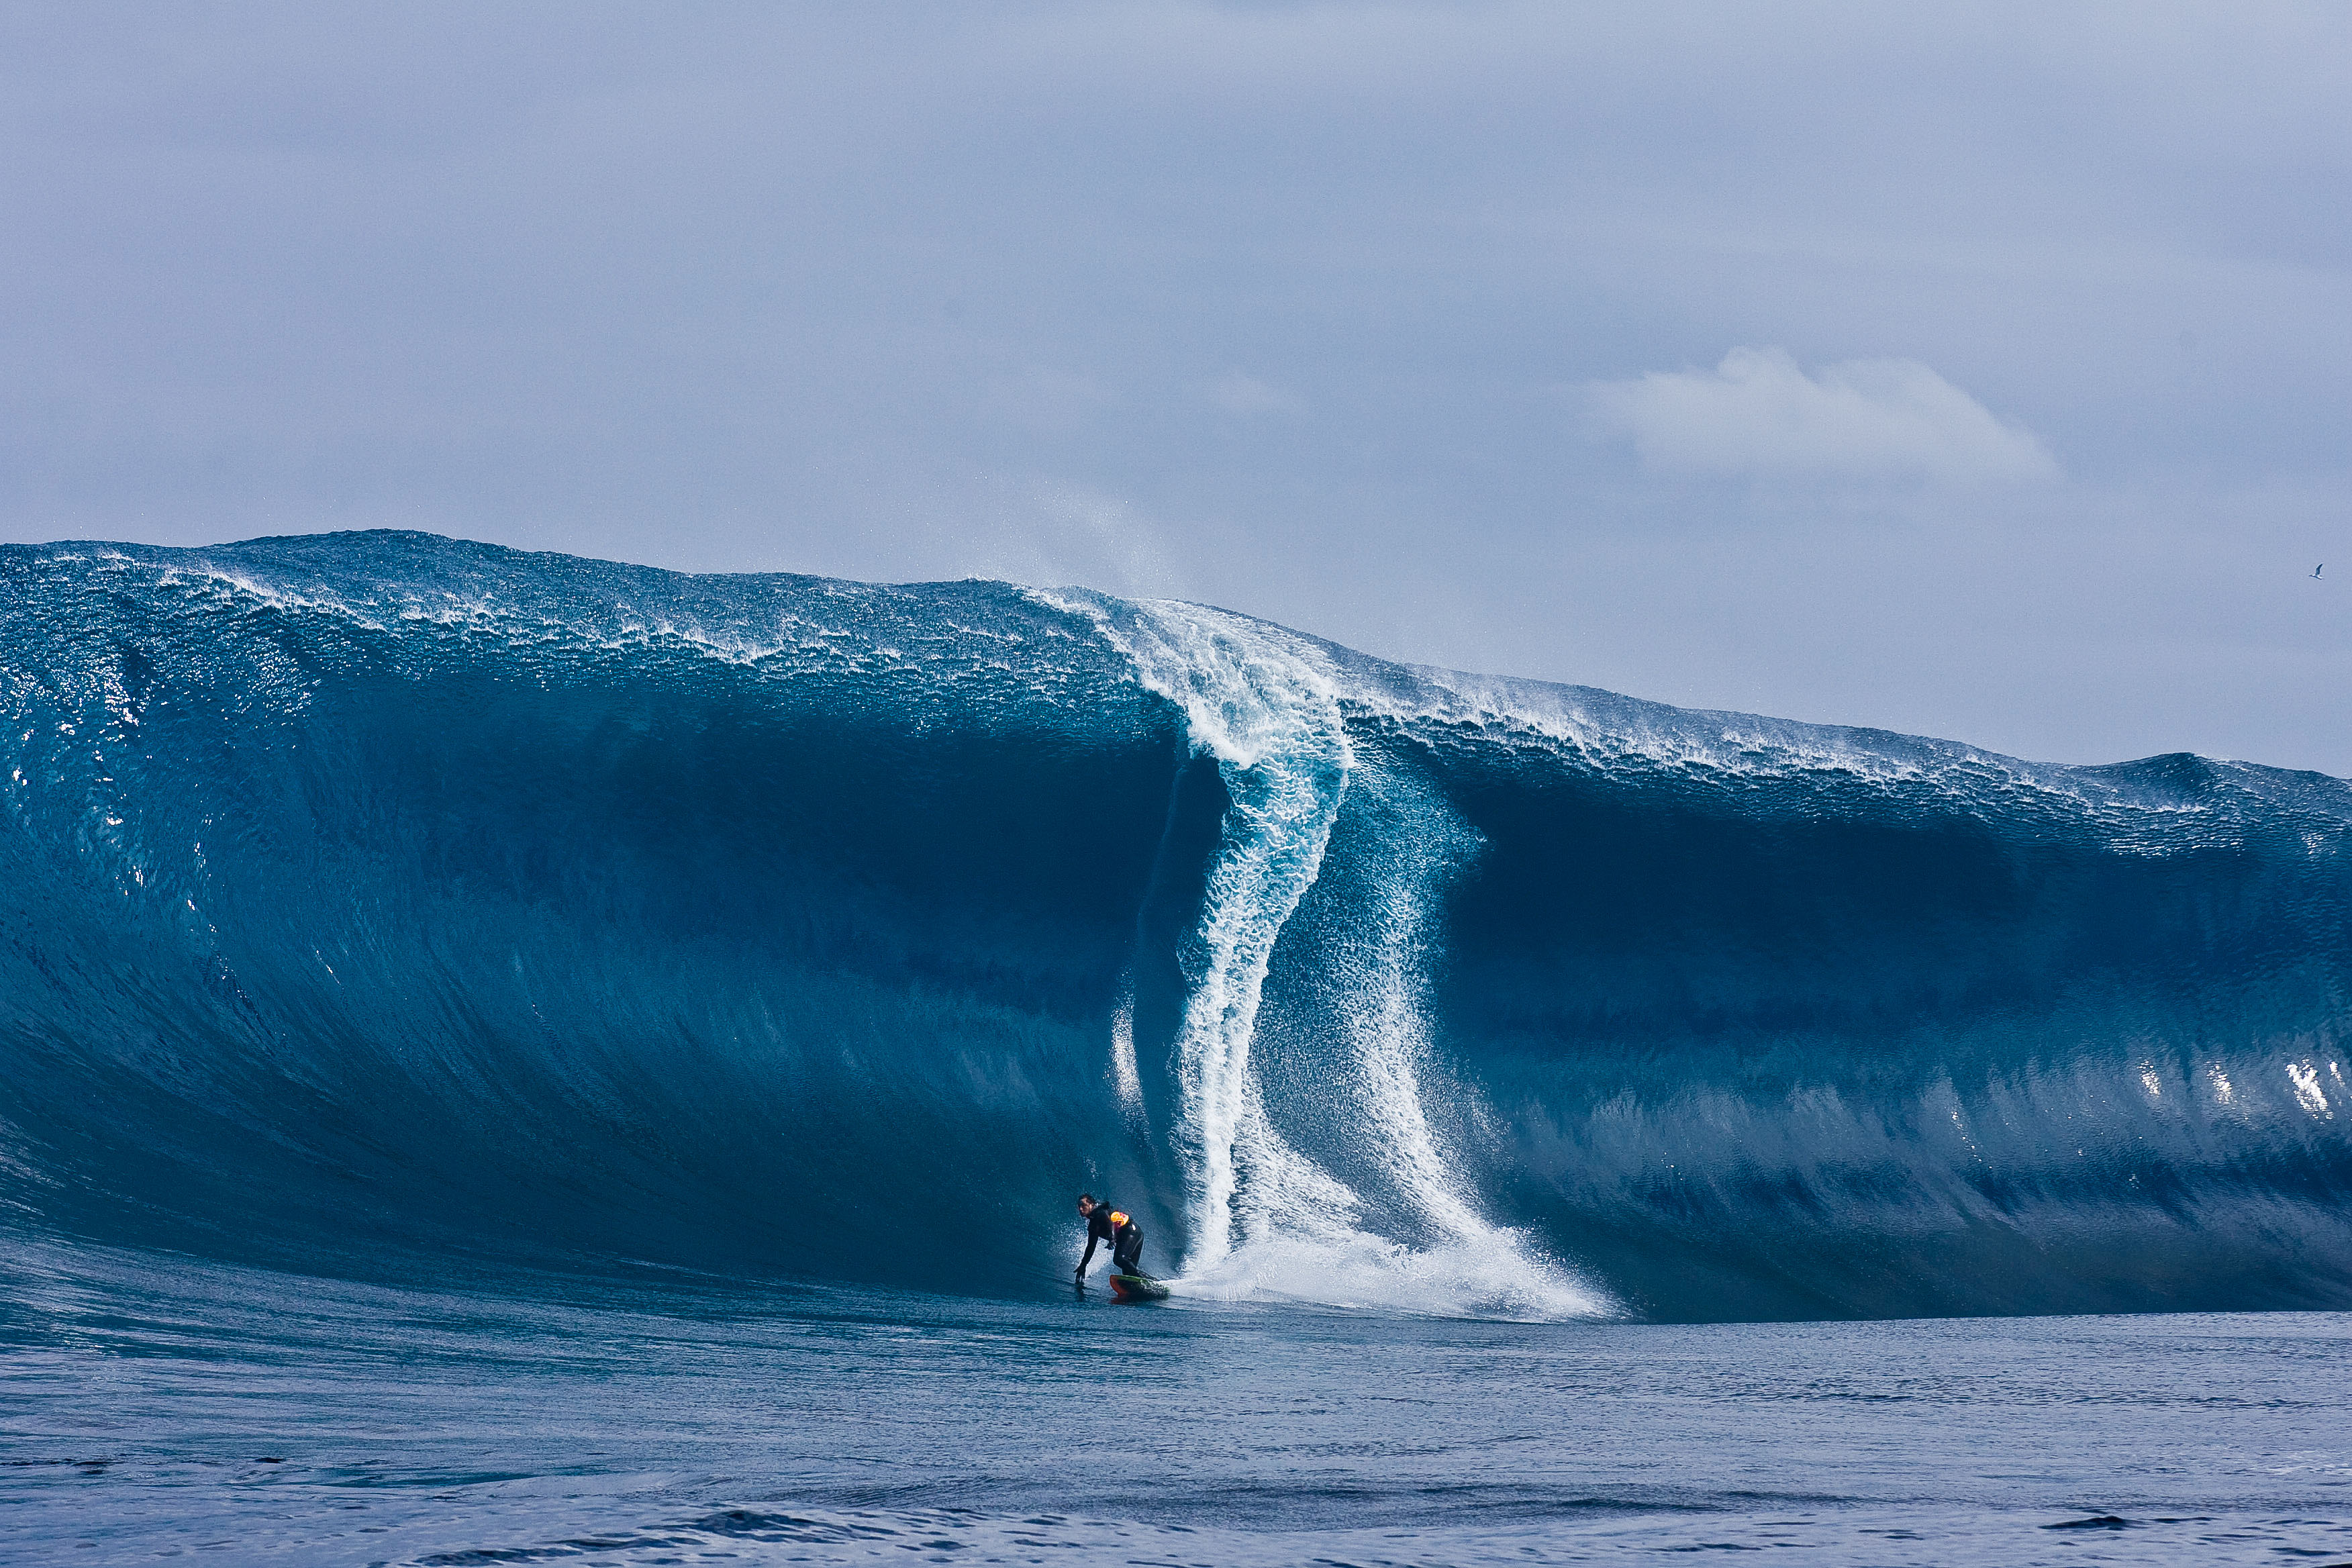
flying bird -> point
(2314, 570)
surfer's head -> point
(1085, 1202)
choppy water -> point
(156, 1408)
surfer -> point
(1105, 1223)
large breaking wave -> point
(378, 897)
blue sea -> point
(157, 1407)
(512, 1059)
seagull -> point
(2314, 570)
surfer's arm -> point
(1090, 1258)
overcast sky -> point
(1986, 375)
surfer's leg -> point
(1128, 1256)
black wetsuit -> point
(1125, 1238)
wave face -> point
(377, 896)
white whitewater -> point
(1264, 1218)
(1270, 716)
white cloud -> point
(1759, 413)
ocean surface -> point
(509, 1057)
(157, 1407)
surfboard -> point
(1136, 1288)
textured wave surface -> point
(377, 894)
